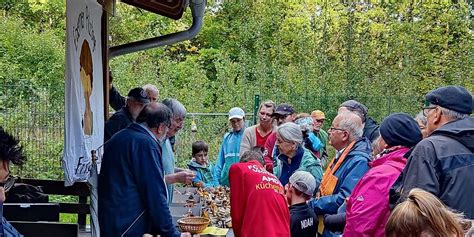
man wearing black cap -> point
(371, 129)
(136, 101)
(443, 163)
(284, 113)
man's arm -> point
(220, 162)
(116, 100)
(329, 204)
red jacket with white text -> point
(258, 203)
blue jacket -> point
(349, 173)
(229, 154)
(204, 174)
(132, 191)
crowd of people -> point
(405, 177)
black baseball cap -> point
(139, 95)
(284, 109)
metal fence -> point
(39, 124)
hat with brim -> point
(236, 112)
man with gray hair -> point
(371, 129)
(346, 169)
(173, 174)
(442, 164)
(131, 203)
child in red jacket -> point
(258, 203)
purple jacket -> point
(367, 207)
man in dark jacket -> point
(371, 129)
(136, 100)
(443, 163)
(132, 190)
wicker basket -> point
(193, 225)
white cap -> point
(236, 112)
(304, 182)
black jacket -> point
(304, 221)
(371, 129)
(116, 100)
(443, 164)
(120, 120)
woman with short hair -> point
(292, 155)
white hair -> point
(150, 87)
(290, 132)
(178, 110)
(352, 123)
(453, 115)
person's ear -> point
(437, 115)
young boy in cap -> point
(201, 165)
(300, 189)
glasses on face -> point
(426, 109)
(336, 129)
(320, 120)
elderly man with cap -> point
(371, 129)
(303, 220)
(229, 153)
(368, 206)
(443, 163)
(136, 101)
(284, 113)
(319, 117)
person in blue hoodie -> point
(201, 165)
(229, 152)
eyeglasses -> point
(427, 108)
(336, 129)
(320, 120)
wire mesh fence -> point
(40, 125)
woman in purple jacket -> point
(367, 208)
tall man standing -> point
(172, 173)
(443, 163)
(132, 191)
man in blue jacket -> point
(132, 190)
(346, 169)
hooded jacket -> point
(368, 209)
(229, 154)
(303, 160)
(204, 174)
(443, 164)
(371, 129)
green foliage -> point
(312, 54)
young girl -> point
(201, 165)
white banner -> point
(84, 110)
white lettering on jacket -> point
(307, 223)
